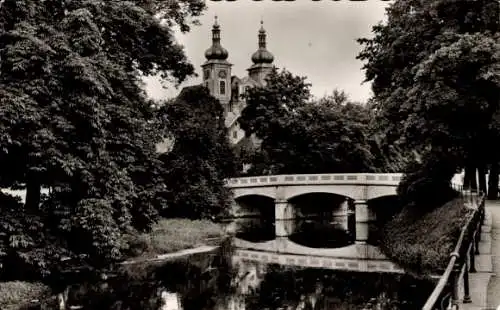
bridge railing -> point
(304, 179)
(461, 263)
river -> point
(226, 280)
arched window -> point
(222, 87)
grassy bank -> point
(171, 235)
(15, 295)
(423, 242)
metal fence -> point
(462, 260)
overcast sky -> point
(309, 38)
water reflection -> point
(256, 229)
(315, 231)
(325, 232)
(229, 282)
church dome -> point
(216, 51)
(262, 55)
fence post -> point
(467, 299)
(472, 255)
(455, 273)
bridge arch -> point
(374, 192)
(254, 218)
(322, 220)
(269, 192)
(349, 190)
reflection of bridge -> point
(318, 261)
(283, 194)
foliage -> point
(73, 118)
(422, 241)
(303, 136)
(170, 235)
(427, 184)
(16, 294)
(201, 157)
(435, 69)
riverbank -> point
(173, 235)
(422, 242)
(169, 239)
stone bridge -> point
(354, 193)
(358, 188)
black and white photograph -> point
(250, 154)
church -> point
(228, 88)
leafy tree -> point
(302, 136)
(73, 118)
(201, 157)
(435, 72)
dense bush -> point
(18, 294)
(423, 242)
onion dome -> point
(216, 51)
(262, 55)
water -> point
(223, 280)
(229, 280)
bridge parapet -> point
(310, 179)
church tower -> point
(216, 69)
(262, 59)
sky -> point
(315, 39)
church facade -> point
(227, 88)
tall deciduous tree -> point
(73, 118)
(201, 157)
(435, 72)
(299, 135)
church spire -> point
(216, 51)
(262, 55)
(262, 35)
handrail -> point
(454, 266)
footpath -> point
(485, 283)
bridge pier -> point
(284, 218)
(364, 216)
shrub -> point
(423, 242)
(18, 294)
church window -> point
(206, 74)
(222, 87)
(230, 106)
(235, 134)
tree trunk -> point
(493, 182)
(470, 178)
(33, 196)
(466, 182)
(482, 179)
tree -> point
(434, 68)
(74, 118)
(201, 157)
(303, 136)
